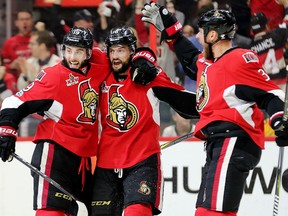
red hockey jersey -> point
(130, 121)
(217, 101)
(69, 102)
(14, 47)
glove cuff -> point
(174, 29)
(145, 52)
(276, 120)
(7, 131)
(8, 124)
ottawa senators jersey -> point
(69, 102)
(131, 121)
(270, 49)
(242, 88)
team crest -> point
(202, 93)
(144, 189)
(123, 115)
(89, 99)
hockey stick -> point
(280, 158)
(38, 172)
(278, 181)
(177, 140)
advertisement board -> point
(182, 165)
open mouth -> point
(117, 63)
(74, 64)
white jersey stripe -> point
(42, 169)
(223, 172)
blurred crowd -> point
(37, 44)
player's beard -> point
(121, 72)
(208, 53)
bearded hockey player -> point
(128, 172)
(232, 87)
(67, 96)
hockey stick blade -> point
(177, 140)
(47, 178)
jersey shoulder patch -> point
(250, 57)
(40, 75)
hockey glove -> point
(163, 20)
(281, 131)
(7, 142)
(143, 69)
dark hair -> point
(24, 11)
(45, 37)
(82, 15)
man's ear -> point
(212, 36)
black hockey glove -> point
(281, 131)
(143, 69)
(163, 20)
(7, 142)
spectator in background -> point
(202, 7)
(188, 83)
(170, 5)
(180, 127)
(188, 31)
(81, 19)
(241, 10)
(114, 13)
(16, 48)
(7, 83)
(141, 29)
(273, 11)
(107, 12)
(41, 45)
(166, 58)
(269, 45)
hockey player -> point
(67, 95)
(128, 173)
(232, 87)
(269, 44)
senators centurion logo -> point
(90, 100)
(123, 115)
(202, 93)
